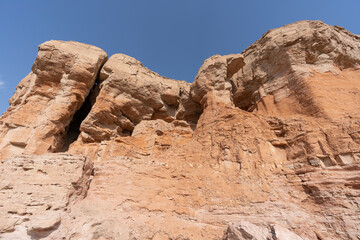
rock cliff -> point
(262, 145)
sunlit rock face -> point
(46, 100)
(262, 145)
(307, 68)
(129, 93)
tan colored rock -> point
(130, 93)
(307, 67)
(36, 190)
(212, 81)
(273, 150)
(246, 230)
(46, 100)
(281, 233)
(189, 190)
(149, 138)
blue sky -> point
(171, 37)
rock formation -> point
(46, 100)
(262, 145)
(129, 93)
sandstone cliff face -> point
(291, 70)
(130, 93)
(262, 145)
(46, 100)
(212, 83)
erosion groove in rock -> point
(262, 145)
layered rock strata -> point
(212, 83)
(46, 100)
(292, 70)
(129, 93)
(36, 192)
(262, 145)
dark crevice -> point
(244, 98)
(73, 130)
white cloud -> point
(2, 83)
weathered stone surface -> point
(194, 184)
(281, 233)
(130, 93)
(245, 230)
(35, 192)
(46, 100)
(212, 83)
(262, 145)
(307, 67)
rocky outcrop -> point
(46, 100)
(262, 145)
(130, 93)
(292, 70)
(212, 83)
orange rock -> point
(130, 93)
(46, 100)
(262, 145)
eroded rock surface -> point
(46, 100)
(212, 83)
(262, 145)
(35, 192)
(245, 230)
(293, 70)
(130, 93)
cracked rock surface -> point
(262, 145)
(36, 192)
